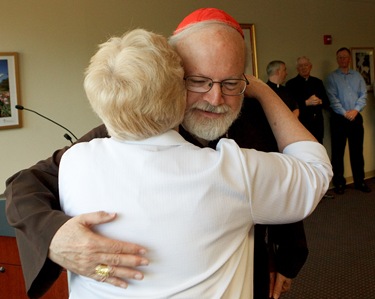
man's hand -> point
(78, 249)
(351, 114)
(313, 101)
(278, 284)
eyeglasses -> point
(229, 87)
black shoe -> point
(363, 187)
(339, 189)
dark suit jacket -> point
(310, 116)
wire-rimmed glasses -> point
(229, 87)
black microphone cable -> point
(67, 136)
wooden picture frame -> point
(10, 117)
(250, 40)
(363, 62)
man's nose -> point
(215, 96)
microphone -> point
(67, 136)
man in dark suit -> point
(310, 94)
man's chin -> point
(208, 136)
(209, 115)
(209, 129)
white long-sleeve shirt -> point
(192, 208)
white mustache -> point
(204, 106)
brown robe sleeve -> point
(33, 209)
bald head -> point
(211, 46)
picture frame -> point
(363, 62)
(250, 40)
(10, 117)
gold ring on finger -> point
(102, 270)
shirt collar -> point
(273, 84)
(351, 72)
(170, 138)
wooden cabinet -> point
(12, 285)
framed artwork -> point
(10, 117)
(363, 62)
(252, 65)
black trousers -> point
(261, 260)
(343, 130)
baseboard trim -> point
(349, 180)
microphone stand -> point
(66, 136)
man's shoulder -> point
(294, 81)
(354, 72)
(98, 132)
(335, 71)
(333, 74)
(313, 78)
(315, 81)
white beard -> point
(208, 128)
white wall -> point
(56, 38)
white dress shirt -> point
(192, 208)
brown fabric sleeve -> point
(33, 209)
